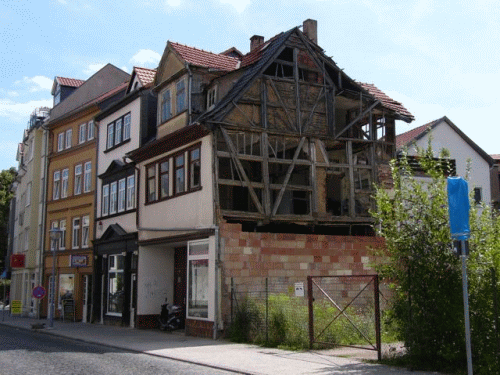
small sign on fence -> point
(299, 289)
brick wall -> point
(286, 258)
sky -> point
(437, 57)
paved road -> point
(32, 353)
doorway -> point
(180, 277)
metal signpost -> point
(458, 200)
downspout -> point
(44, 213)
(94, 250)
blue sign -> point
(458, 201)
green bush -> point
(245, 322)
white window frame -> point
(53, 225)
(87, 176)
(110, 141)
(56, 187)
(85, 231)
(60, 141)
(118, 131)
(82, 133)
(131, 192)
(105, 200)
(90, 130)
(164, 117)
(64, 182)
(194, 256)
(127, 119)
(113, 196)
(113, 269)
(121, 194)
(75, 233)
(69, 136)
(211, 97)
(62, 240)
(78, 179)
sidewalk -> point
(240, 358)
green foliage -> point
(425, 275)
(245, 322)
(6, 178)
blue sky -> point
(439, 58)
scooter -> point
(171, 317)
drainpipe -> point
(216, 281)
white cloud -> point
(92, 68)
(146, 57)
(37, 83)
(13, 93)
(64, 2)
(125, 69)
(239, 5)
(15, 111)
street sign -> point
(16, 307)
(39, 292)
(458, 201)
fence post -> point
(311, 311)
(377, 317)
(232, 298)
(267, 311)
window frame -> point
(478, 195)
(85, 225)
(165, 105)
(178, 168)
(87, 176)
(78, 181)
(68, 136)
(60, 141)
(82, 133)
(76, 232)
(117, 268)
(161, 196)
(130, 198)
(151, 183)
(180, 96)
(122, 188)
(192, 162)
(56, 186)
(110, 140)
(105, 200)
(90, 130)
(62, 239)
(113, 197)
(127, 123)
(118, 131)
(64, 182)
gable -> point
(170, 65)
(112, 232)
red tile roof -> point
(495, 156)
(206, 59)
(145, 75)
(386, 101)
(405, 138)
(73, 82)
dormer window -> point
(181, 104)
(57, 95)
(166, 106)
(211, 97)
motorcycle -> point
(171, 317)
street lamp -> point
(55, 235)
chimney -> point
(256, 41)
(310, 29)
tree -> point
(7, 176)
(425, 274)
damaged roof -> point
(386, 101)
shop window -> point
(198, 280)
(66, 288)
(116, 284)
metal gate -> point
(347, 298)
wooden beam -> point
(352, 205)
(282, 104)
(266, 193)
(314, 178)
(359, 117)
(320, 96)
(237, 161)
(244, 114)
(287, 176)
(298, 116)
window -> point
(211, 98)
(90, 130)
(57, 95)
(151, 178)
(164, 179)
(60, 142)
(179, 174)
(112, 198)
(121, 195)
(85, 231)
(181, 96)
(64, 186)
(57, 185)
(194, 168)
(75, 237)
(78, 179)
(478, 195)
(87, 177)
(105, 200)
(118, 131)
(166, 106)
(198, 279)
(69, 135)
(111, 135)
(62, 240)
(130, 192)
(82, 133)
(28, 194)
(116, 283)
(126, 126)
(66, 288)
(53, 225)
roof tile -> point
(206, 59)
(73, 82)
(386, 100)
(404, 139)
(145, 75)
